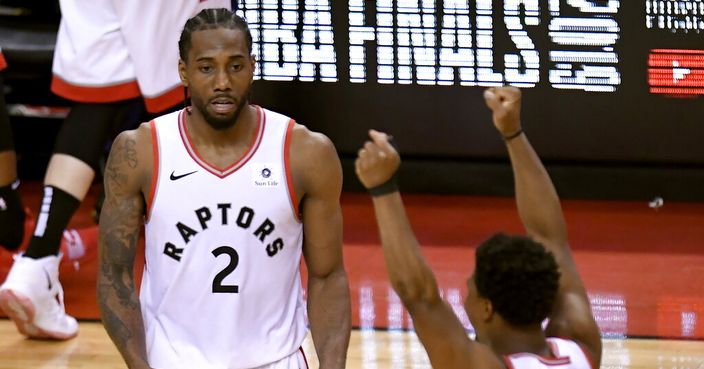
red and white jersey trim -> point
(567, 355)
(222, 173)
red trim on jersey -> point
(3, 63)
(304, 357)
(165, 100)
(508, 362)
(90, 94)
(558, 360)
(587, 355)
(222, 173)
(287, 169)
(155, 170)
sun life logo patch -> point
(266, 175)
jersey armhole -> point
(155, 171)
(287, 164)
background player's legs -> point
(11, 211)
(36, 311)
(79, 147)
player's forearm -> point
(329, 314)
(536, 197)
(117, 295)
(408, 271)
(122, 317)
(120, 223)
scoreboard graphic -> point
(676, 72)
(624, 80)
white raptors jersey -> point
(221, 285)
(569, 355)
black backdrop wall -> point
(630, 140)
(613, 90)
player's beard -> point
(220, 123)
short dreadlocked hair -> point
(519, 276)
(212, 19)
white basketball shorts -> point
(113, 50)
(297, 360)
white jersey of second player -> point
(113, 50)
(221, 285)
(568, 355)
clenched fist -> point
(505, 105)
(377, 161)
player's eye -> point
(205, 68)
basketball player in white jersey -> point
(109, 55)
(518, 281)
(232, 195)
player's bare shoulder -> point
(307, 143)
(131, 159)
(313, 158)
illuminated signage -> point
(428, 42)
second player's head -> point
(515, 278)
(217, 65)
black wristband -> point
(385, 188)
(513, 135)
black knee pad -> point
(87, 129)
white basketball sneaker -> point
(33, 298)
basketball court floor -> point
(643, 267)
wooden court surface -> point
(643, 269)
(369, 349)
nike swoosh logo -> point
(175, 177)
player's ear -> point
(182, 72)
(487, 309)
(253, 63)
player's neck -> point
(200, 131)
(510, 340)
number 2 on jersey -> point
(218, 287)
